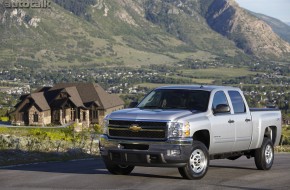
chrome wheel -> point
(197, 161)
(268, 154)
(264, 156)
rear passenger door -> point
(242, 121)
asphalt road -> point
(91, 174)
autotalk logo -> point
(27, 3)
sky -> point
(279, 9)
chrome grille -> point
(150, 130)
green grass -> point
(133, 57)
(202, 81)
(4, 119)
(198, 55)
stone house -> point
(85, 103)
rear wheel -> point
(264, 156)
(118, 169)
(197, 164)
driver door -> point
(222, 129)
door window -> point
(237, 101)
(219, 98)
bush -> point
(285, 140)
(46, 140)
(98, 128)
(4, 119)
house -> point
(85, 103)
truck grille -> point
(148, 130)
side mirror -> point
(222, 108)
(133, 104)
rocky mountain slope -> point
(249, 33)
(134, 33)
(279, 27)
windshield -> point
(176, 99)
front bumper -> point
(170, 153)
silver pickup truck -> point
(185, 127)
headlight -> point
(105, 126)
(178, 129)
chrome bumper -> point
(173, 152)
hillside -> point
(57, 37)
(249, 33)
(132, 33)
(279, 27)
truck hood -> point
(150, 114)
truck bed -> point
(263, 109)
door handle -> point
(231, 121)
(247, 120)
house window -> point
(84, 116)
(95, 114)
(72, 114)
(35, 117)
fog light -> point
(120, 146)
(173, 152)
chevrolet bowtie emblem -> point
(135, 128)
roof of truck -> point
(198, 87)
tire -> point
(264, 156)
(117, 169)
(197, 164)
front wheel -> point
(197, 164)
(264, 156)
(117, 169)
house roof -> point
(40, 100)
(51, 95)
(74, 96)
(80, 94)
(42, 89)
(37, 99)
(90, 92)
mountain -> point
(250, 33)
(288, 23)
(279, 27)
(133, 33)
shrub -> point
(4, 119)
(98, 128)
(45, 140)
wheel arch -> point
(271, 133)
(202, 136)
